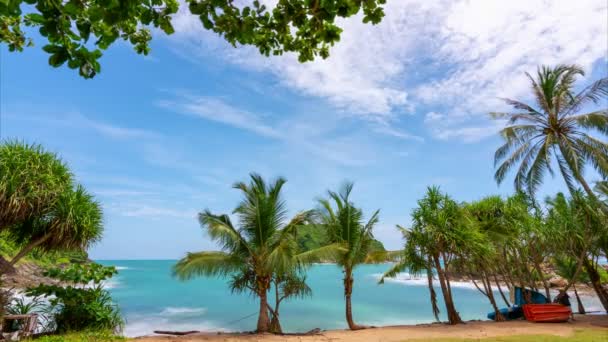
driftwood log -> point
(177, 333)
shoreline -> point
(471, 329)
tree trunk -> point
(263, 319)
(275, 323)
(488, 286)
(581, 308)
(28, 248)
(429, 275)
(586, 186)
(5, 267)
(504, 298)
(348, 291)
(453, 316)
(543, 280)
(595, 281)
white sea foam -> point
(110, 284)
(183, 311)
(407, 279)
(122, 268)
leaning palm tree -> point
(263, 244)
(345, 226)
(569, 269)
(553, 129)
(439, 235)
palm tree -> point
(554, 130)
(345, 226)
(439, 235)
(290, 285)
(263, 245)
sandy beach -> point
(403, 333)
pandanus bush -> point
(40, 206)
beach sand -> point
(402, 333)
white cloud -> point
(78, 120)
(454, 57)
(316, 134)
(150, 211)
(216, 109)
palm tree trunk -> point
(263, 319)
(581, 308)
(275, 323)
(429, 275)
(500, 290)
(594, 276)
(348, 291)
(488, 286)
(453, 316)
(28, 248)
(586, 186)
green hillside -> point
(311, 237)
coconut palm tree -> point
(554, 130)
(263, 244)
(345, 225)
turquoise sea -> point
(150, 299)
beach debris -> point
(176, 333)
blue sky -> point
(396, 108)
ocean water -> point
(150, 299)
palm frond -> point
(377, 257)
(594, 93)
(597, 120)
(206, 264)
(332, 253)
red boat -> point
(547, 313)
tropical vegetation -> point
(554, 131)
(497, 242)
(41, 207)
(76, 32)
(260, 250)
(82, 305)
(48, 219)
(345, 225)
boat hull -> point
(547, 313)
